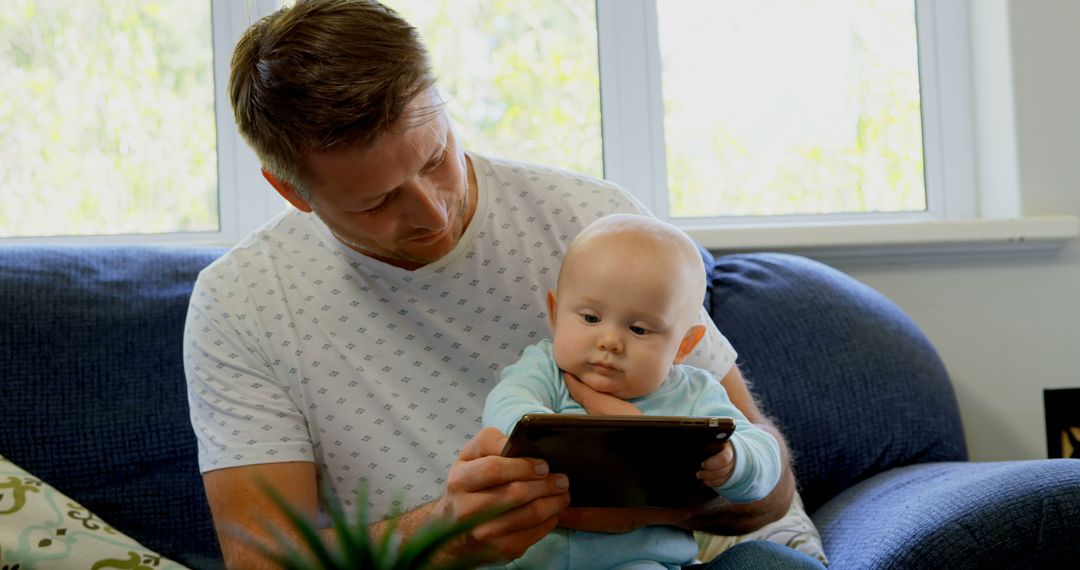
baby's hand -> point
(716, 470)
(597, 403)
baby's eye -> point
(640, 331)
(591, 319)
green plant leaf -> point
(390, 544)
(433, 535)
(355, 547)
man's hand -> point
(482, 481)
(716, 470)
(597, 403)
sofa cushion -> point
(1009, 514)
(91, 346)
(853, 384)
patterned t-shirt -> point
(298, 348)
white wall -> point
(1008, 327)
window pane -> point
(521, 78)
(778, 107)
(106, 117)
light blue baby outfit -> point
(534, 385)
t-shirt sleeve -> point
(240, 412)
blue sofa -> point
(94, 403)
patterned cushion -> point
(42, 528)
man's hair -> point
(324, 75)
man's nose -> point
(426, 210)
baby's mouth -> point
(604, 366)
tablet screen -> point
(624, 461)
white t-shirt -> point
(298, 348)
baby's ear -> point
(689, 341)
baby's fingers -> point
(714, 478)
(724, 459)
(716, 470)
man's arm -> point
(479, 481)
(243, 512)
(719, 516)
(724, 517)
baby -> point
(624, 316)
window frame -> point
(971, 206)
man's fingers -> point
(489, 472)
(512, 532)
(533, 500)
(523, 517)
(513, 545)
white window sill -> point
(828, 242)
(897, 241)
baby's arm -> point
(529, 386)
(749, 466)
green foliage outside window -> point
(521, 77)
(107, 107)
(106, 117)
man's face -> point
(406, 200)
(617, 324)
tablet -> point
(624, 461)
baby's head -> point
(627, 304)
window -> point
(521, 78)
(107, 120)
(114, 122)
(715, 113)
(781, 107)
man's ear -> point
(692, 338)
(552, 305)
(287, 191)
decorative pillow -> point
(795, 530)
(41, 528)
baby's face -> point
(618, 323)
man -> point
(356, 336)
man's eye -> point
(640, 331)
(386, 199)
(382, 206)
(438, 161)
(591, 319)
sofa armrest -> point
(1016, 514)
